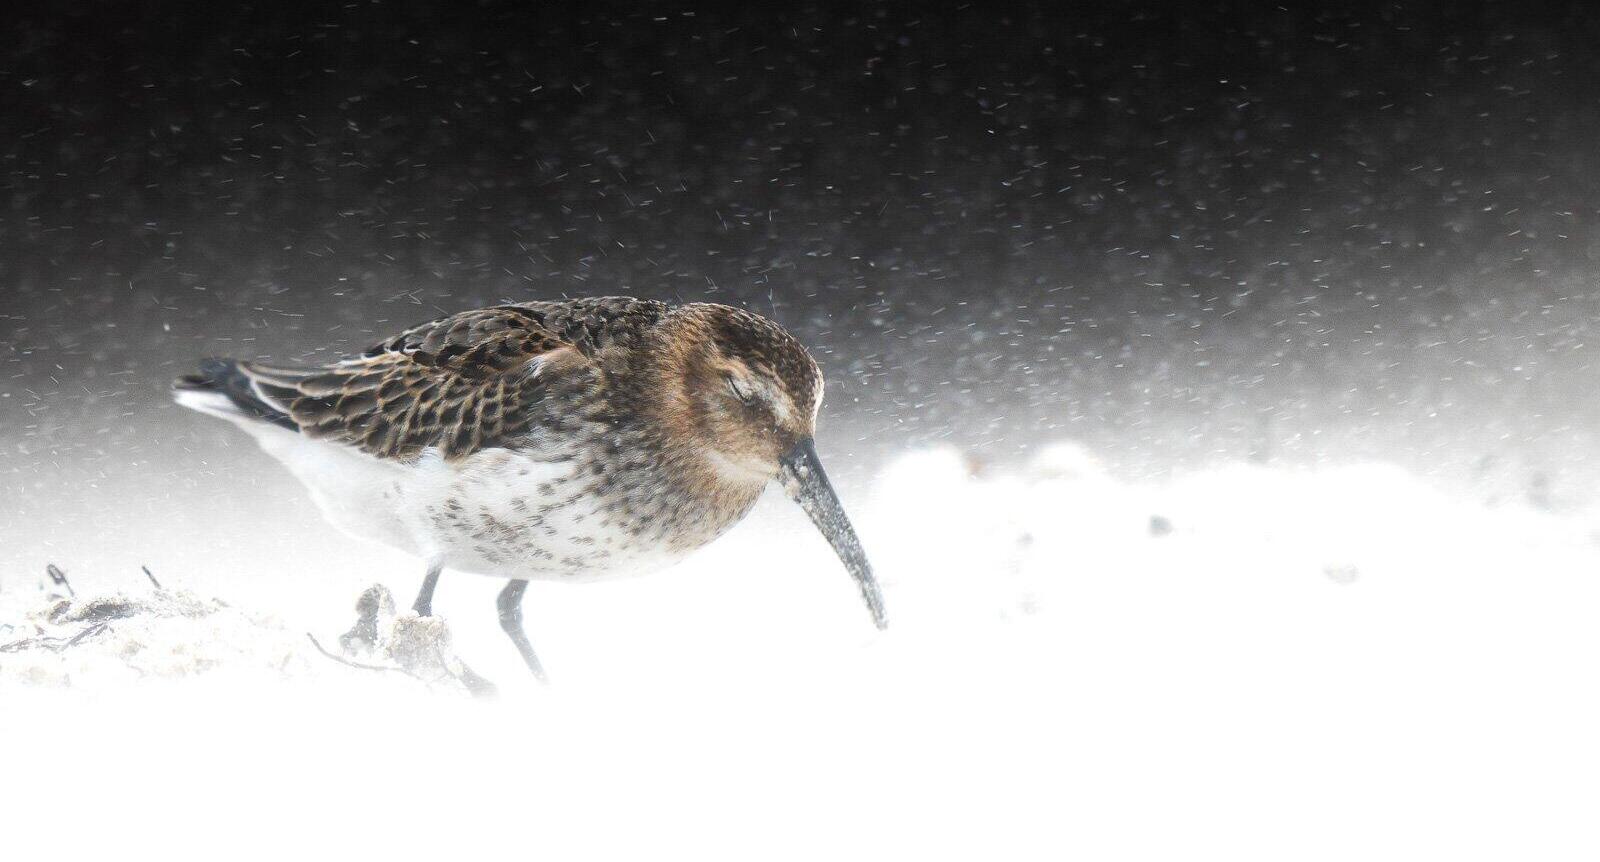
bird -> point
(571, 440)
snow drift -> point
(1253, 662)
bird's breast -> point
(511, 514)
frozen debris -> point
(419, 647)
(106, 639)
(1160, 525)
(165, 634)
(374, 613)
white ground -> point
(1338, 664)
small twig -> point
(59, 578)
(19, 646)
(356, 664)
(53, 644)
(476, 685)
(86, 633)
(153, 581)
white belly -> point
(497, 512)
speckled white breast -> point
(496, 512)
(504, 513)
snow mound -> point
(1250, 662)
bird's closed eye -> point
(741, 390)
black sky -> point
(1175, 235)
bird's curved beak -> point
(808, 485)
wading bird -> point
(573, 440)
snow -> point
(1246, 662)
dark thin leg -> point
(424, 603)
(510, 605)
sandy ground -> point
(1248, 663)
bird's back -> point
(468, 381)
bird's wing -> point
(596, 324)
(462, 383)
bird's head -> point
(748, 390)
(741, 396)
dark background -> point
(1219, 233)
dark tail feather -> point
(226, 377)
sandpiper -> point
(567, 440)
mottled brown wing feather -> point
(460, 383)
(591, 325)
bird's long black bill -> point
(808, 485)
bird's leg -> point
(424, 604)
(510, 605)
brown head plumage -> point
(739, 397)
(735, 386)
